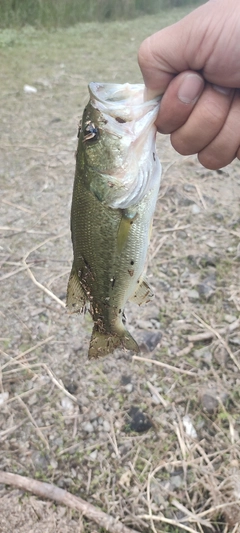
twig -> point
(161, 518)
(208, 335)
(155, 392)
(52, 492)
(37, 283)
(223, 342)
(44, 289)
(14, 360)
(13, 273)
(200, 195)
(163, 365)
(38, 431)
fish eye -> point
(90, 132)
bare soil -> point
(158, 447)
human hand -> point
(196, 64)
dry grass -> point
(183, 473)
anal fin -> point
(143, 293)
(76, 297)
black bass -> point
(114, 196)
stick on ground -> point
(52, 492)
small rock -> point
(195, 209)
(235, 341)
(53, 463)
(177, 481)
(209, 403)
(29, 89)
(40, 460)
(204, 354)
(230, 318)
(189, 188)
(189, 427)
(71, 386)
(125, 379)
(129, 388)
(106, 426)
(139, 422)
(181, 234)
(218, 216)
(4, 397)
(33, 399)
(67, 404)
(93, 455)
(211, 244)
(193, 295)
(207, 287)
(221, 355)
(148, 340)
(88, 427)
(175, 295)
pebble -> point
(93, 455)
(129, 387)
(188, 187)
(230, 318)
(106, 425)
(204, 354)
(195, 209)
(148, 340)
(67, 404)
(193, 295)
(189, 427)
(4, 397)
(177, 481)
(53, 463)
(33, 399)
(209, 403)
(29, 89)
(88, 427)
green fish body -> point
(114, 196)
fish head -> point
(118, 143)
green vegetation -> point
(52, 14)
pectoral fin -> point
(143, 293)
(76, 297)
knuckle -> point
(181, 144)
(211, 160)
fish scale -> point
(110, 243)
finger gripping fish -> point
(114, 196)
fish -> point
(115, 191)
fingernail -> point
(190, 89)
(222, 90)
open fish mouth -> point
(126, 116)
(125, 100)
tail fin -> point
(104, 343)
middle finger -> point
(205, 121)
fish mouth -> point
(123, 114)
(124, 102)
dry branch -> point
(52, 492)
(208, 335)
(163, 365)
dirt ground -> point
(156, 443)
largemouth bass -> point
(114, 196)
